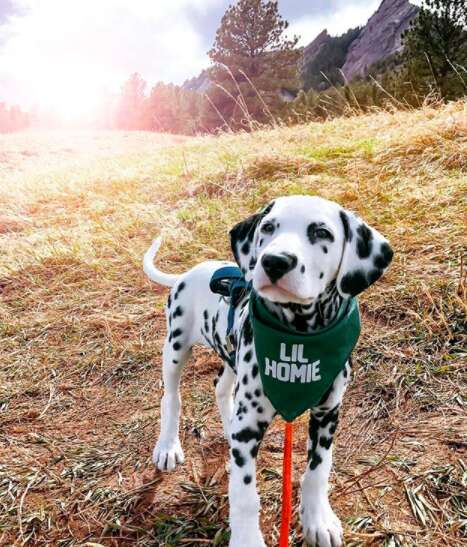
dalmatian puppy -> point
(303, 255)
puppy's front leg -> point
(252, 415)
(321, 527)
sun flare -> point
(73, 99)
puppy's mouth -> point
(277, 293)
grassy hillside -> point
(82, 329)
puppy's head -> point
(297, 245)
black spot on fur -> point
(239, 459)
(260, 409)
(346, 226)
(325, 249)
(247, 356)
(313, 428)
(174, 361)
(374, 275)
(318, 421)
(169, 300)
(176, 333)
(315, 460)
(300, 322)
(354, 283)
(242, 409)
(247, 332)
(247, 434)
(177, 346)
(257, 392)
(247, 479)
(364, 241)
(245, 230)
(254, 451)
(302, 269)
(382, 260)
(321, 275)
(205, 315)
(245, 248)
(248, 395)
(178, 312)
(330, 417)
(245, 380)
(325, 442)
(254, 371)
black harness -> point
(230, 283)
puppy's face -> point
(298, 245)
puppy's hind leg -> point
(168, 451)
(224, 395)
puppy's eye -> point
(268, 228)
(322, 233)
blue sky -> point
(54, 52)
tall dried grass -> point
(82, 329)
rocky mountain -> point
(353, 53)
(380, 37)
(323, 58)
(313, 49)
(326, 58)
(200, 83)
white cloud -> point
(62, 51)
(344, 18)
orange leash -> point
(286, 487)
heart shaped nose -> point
(276, 266)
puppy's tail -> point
(152, 272)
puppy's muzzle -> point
(276, 266)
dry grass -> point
(82, 329)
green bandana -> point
(296, 368)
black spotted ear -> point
(243, 241)
(366, 256)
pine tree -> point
(172, 109)
(131, 103)
(4, 118)
(253, 60)
(436, 47)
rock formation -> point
(380, 37)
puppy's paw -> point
(166, 456)
(321, 527)
(242, 541)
